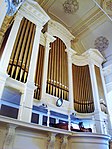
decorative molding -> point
(90, 56)
(32, 11)
(42, 39)
(48, 38)
(101, 43)
(56, 29)
(107, 6)
(8, 143)
(70, 6)
(51, 140)
(64, 142)
(83, 26)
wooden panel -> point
(57, 79)
(39, 72)
(21, 53)
(83, 98)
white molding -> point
(31, 126)
(56, 29)
(33, 12)
(90, 56)
(42, 39)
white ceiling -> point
(87, 24)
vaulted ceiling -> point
(91, 24)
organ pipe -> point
(21, 53)
(83, 98)
(57, 78)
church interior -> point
(55, 74)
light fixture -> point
(59, 102)
(70, 6)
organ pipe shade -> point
(82, 89)
(99, 83)
(21, 53)
(39, 72)
(57, 78)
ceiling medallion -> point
(109, 5)
(101, 43)
(70, 6)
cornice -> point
(32, 11)
(88, 57)
(56, 29)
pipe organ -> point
(83, 97)
(21, 53)
(57, 79)
(46, 73)
(39, 72)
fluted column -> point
(26, 104)
(3, 10)
(70, 52)
(7, 52)
(49, 39)
(97, 115)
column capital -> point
(51, 140)
(49, 38)
(70, 51)
(64, 141)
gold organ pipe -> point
(83, 100)
(26, 53)
(21, 53)
(20, 38)
(17, 70)
(56, 70)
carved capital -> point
(9, 137)
(49, 38)
(64, 142)
(51, 140)
(70, 51)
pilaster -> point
(10, 43)
(49, 39)
(7, 52)
(25, 110)
(8, 143)
(97, 112)
(70, 52)
(106, 100)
